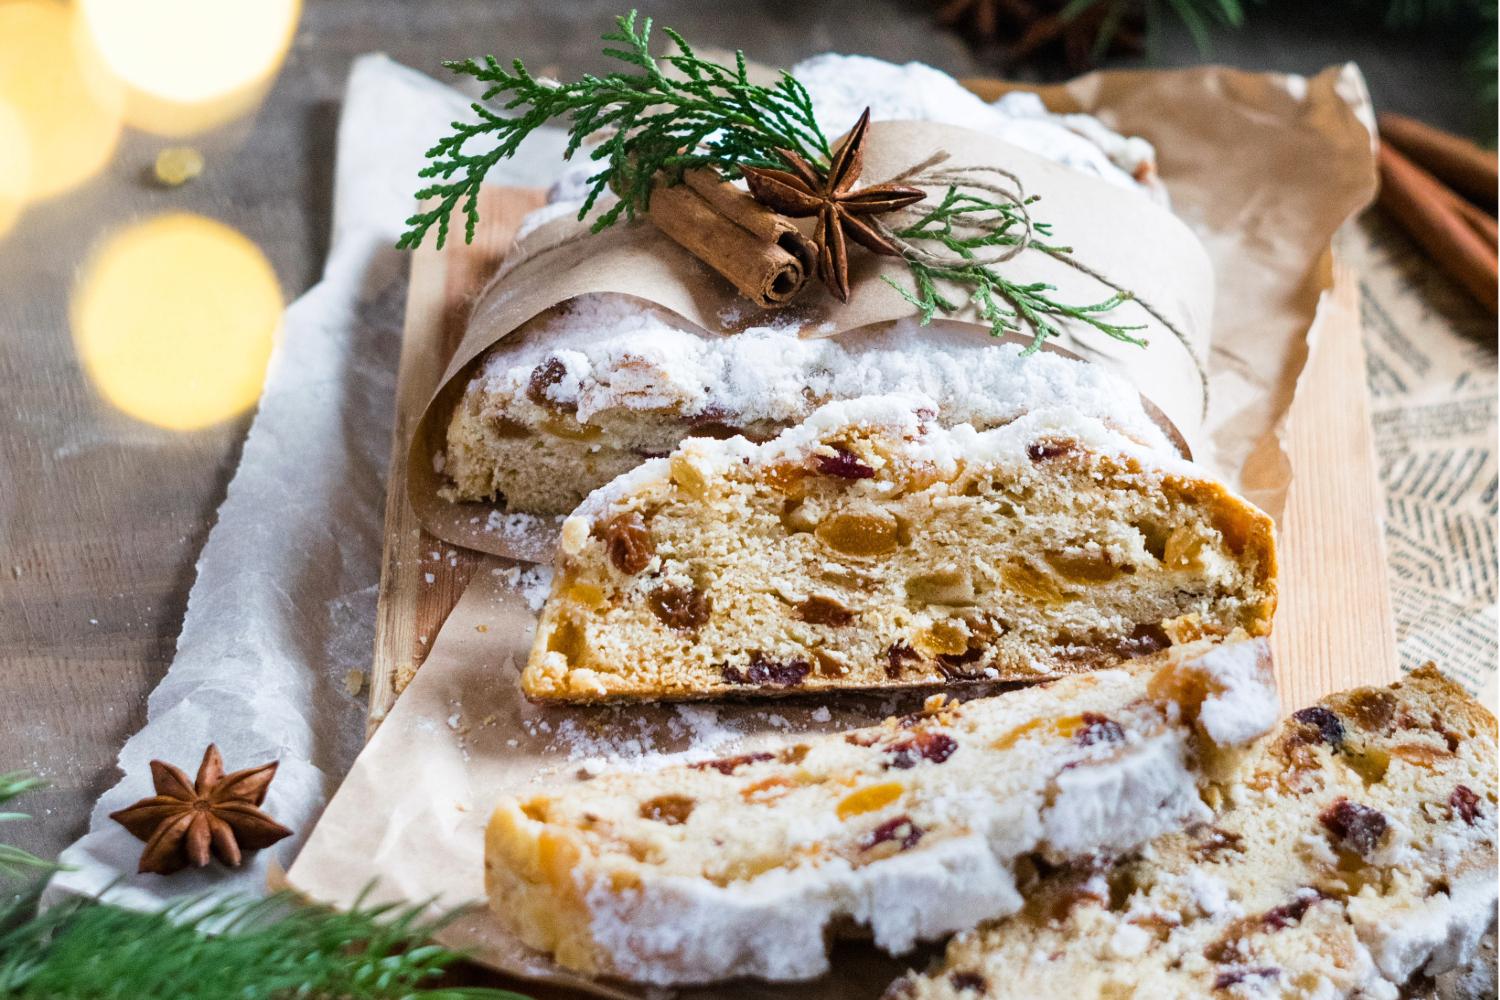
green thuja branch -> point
(660, 114)
(201, 949)
(963, 224)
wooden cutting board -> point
(1334, 628)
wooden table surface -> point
(102, 517)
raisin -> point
(843, 464)
(900, 830)
(1359, 827)
(669, 809)
(628, 541)
(971, 982)
(896, 654)
(952, 664)
(921, 745)
(543, 377)
(1236, 976)
(1098, 729)
(1048, 448)
(1465, 804)
(717, 431)
(727, 765)
(1283, 917)
(1329, 726)
(683, 609)
(818, 610)
(768, 673)
(1144, 639)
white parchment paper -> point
(284, 602)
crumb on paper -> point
(481, 627)
(176, 165)
(533, 583)
(354, 682)
(821, 714)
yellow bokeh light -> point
(189, 65)
(15, 166)
(69, 111)
(174, 319)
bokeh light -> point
(69, 109)
(15, 166)
(189, 65)
(174, 319)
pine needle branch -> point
(657, 117)
(14, 862)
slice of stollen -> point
(906, 831)
(1352, 855)
(871, 548)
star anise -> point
(216, 814)
(802, 192)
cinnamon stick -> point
(1423, 207)
(763, 254)
(1463, 164)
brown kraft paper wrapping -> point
(1263, 168)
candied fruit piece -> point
(508, 429)
(588, 595)
(843, 464)
(683, 608)
(672, 810)
(1420, 754)
(1083, 566)
(944, 638)
(949, 585)
(1096, 728)
(1287, 914)
(1029, 582)
(543, 377)
(789, 480)
(868, 799)
(829, 664)
(1373, 709)
(1358, 827)
(628, 541)
(862, 532)
(768, 673)
(929, 745)
(573, 430)
(820, 610)
(1007, 740)
(568, 639)
(767, 789)
(727, 765)
(1183, 548)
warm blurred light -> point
(15, 166)
(190, 64)
(69, 110)
(174, 320)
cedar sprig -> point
(659, 117)
(964, 223)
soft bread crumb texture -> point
(1352, 855)
(904, 831)
(870, 548)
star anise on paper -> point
(216, 815)
(843, 213)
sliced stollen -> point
(592, 388)
(1352, 855)
(871, 548)
(908, 830)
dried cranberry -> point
(1465, 804)
(1050, 448)
(843, 464)
(727, 765)
(1357, 826)
(769, 673)
(1284, 916)
(1236, 976)
(543, 377)
(1217, 842)
(1098, 729)
(896, 654)
(684, 610)
(971, 981)
(669, 809)
(921, 745)
(1329, 726)
(628, 541)
(901, 830)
